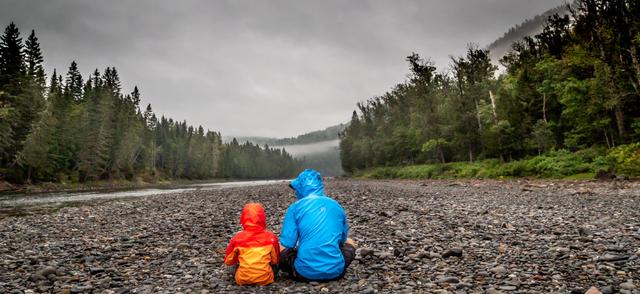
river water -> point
(20, 204)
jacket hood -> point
(308, 182)
(253, 218)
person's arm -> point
(345, 229)
(275, 251)
(231, 255)
(289, 234)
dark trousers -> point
(288, 257)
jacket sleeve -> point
(289, 234)
(345, 229)
(231, 255)
(275, 251)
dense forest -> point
(77, 129)
(574, 87)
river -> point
(33, 203)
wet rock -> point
(37, 277)
(611, 257)
(450, 280)
(368, 290)
(494, 291)
(455, 251)
(593, 290)
(183, 246)
(499, 270)
(387, 213)
(628, 285)
(95, 270)
(81, 289)
(49, 270)
(364, 252)
(507, 288)
(606, 290)
(584, 231)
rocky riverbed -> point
(415, 236)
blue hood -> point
(308, 182)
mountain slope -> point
(329, 134)
(529, 27)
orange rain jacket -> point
(254, 248)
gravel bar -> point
(437, 236)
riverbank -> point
(433, 236)
(621, 163)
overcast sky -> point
(260, 68)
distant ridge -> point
(328, 134)
(529, 27)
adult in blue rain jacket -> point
(314, 239)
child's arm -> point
(231, 256)
(275, 251)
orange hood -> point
(253, 218)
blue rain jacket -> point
(317, 226)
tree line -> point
(77, 129)
(574, 86)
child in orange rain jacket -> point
(255, 249)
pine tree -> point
(34, 60)
(11, 77)
(74, 83)
(11, 61)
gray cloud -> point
(271, 68)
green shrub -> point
(559, 164)
(625, 159)
(590, 154)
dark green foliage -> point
(88, 131)
(562, 164)
(12, 66)
(574, 86)
(21, 94)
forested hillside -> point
(575, 87)
(78, 129)
(529, 27)
(328, 134)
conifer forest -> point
(74, 128)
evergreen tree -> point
(11, 62)
(74, 83)
(34, 60)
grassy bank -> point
(622, 161)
